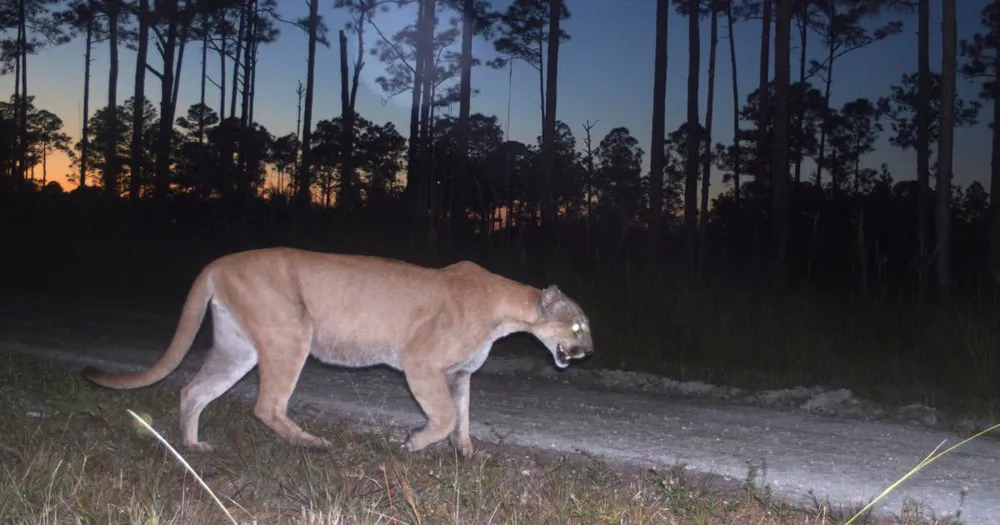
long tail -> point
(187, 327)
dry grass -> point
(69, 453)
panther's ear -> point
(550, 296)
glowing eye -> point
(576, 327)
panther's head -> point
(562, 327)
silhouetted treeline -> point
(457, 179)
(858, 232)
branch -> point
(394, 47)
(270, 12)
(158, 34)
(320, 35)
(155, 73)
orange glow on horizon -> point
(58, 170)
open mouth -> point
(562, 355)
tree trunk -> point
(658, 140)
(138, 119)
(764, 99)
(182, 41)
(161, 182)
(15, 157)
(857, 168)
(994, 210)
(304, 195)
(253, 77)
(826, 110)
(222, 78)
(760, 175)
(245, 172)
(465, 95)
(414, 186)
(45, 165)
(552, 77)
(923, 140)
(224, 177)
(23, 120)
(706, 171)
(426, 102)
(248, 42)
(800, 116)
(327, 188)
(111, 142)
(299, 92)
(779, 150)
(946, 136)
(204, 76)
(835, 175)
(541, 75)
(236, 60)
(736, 104)
(693, 137)
(359, 62)
(346, 199)
(84, 139)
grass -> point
(70, 453)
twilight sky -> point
(605, 75)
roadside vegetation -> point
(70, 453)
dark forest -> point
(841, 275)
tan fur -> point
(274, 307)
